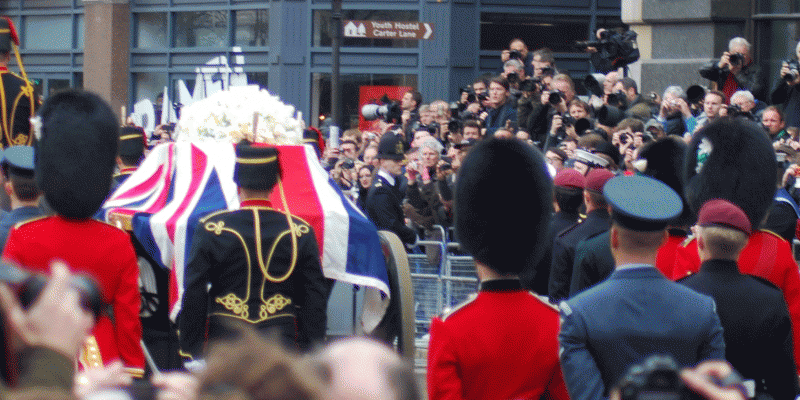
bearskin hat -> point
(665, 159)
(731, 159)
(76, 152)
(503, 204)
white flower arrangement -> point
(238, 113)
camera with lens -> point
(454, 125)
(657, 378)
(793, 74)
(736, 58)
(389, 110)
(512, 77)
(555, 97)
(348, 164)
(548, 71)
(29, 286)
(618, 99)
(614, 50)
(734, 110)
(515, 54)
(567, 120)
(529, 85)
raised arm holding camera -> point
(735, 70)
(787, 93)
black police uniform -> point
(262, 271)
(596, 222)
(384, 200)
(756, 323)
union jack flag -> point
(178, 183)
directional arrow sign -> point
(388, 29)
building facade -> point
(128, 50)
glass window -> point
(777, 6)
(79, 31)
(251, 27)
(151, 30)
(46, 3)
(351, 94)
(201, 29)
(56, 85)
(557, 32)
(77, 80)
(46, 32)
(322, 28)
(149, 85)
(258, 78)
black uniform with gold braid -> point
(263, 266)
(131, 150)
(17, 100)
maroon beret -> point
(597, 178)
(724, 213)
(569, 178)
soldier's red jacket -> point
(104, 252)
(501, 345)
(766, 255)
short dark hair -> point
(580, 103)
(417, 96)
(568, 199)
(471, 123)
(500, 80)
(25, 188)
(628, 83)
(545, 55)
(597, 199)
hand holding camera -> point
(732, 62)
(790, 72)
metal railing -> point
(442, 278)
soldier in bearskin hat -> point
(262, 264)
(733, 159)
(74, 162)
(465, 359)
(18, 103)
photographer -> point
(743, 104)
(553, 102)
(735, 70)
(517, 50)
(503, 107)
(787, 93)
(674, 114)
(773, 122)
(410, 106)
(544, 63)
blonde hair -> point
(723, 242)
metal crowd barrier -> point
(442, 278)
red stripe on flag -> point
(144, 187)
(167, 177)
(298, 189)
(199, 163)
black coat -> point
(757, 328)
(593, 263)
(596, 222)
(18, 108)
(246, 255)
(537, 278)
(385, 209)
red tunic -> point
(665, 259)
(767, 256)
(501, 345)
(104, 252)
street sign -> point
(388, 29)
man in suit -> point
(385, 197)
(596, 222)
(20, 104)
(636, 312)
(18, 170)
(517, 357)
(754, 316)
(262, 265)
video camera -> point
(793, 74)
(388, 110)
(614, 49)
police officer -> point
(262, 265)
(130, 153)
(20, 104)
(637, 311)
(754, 316)
(385, 197)
(21, 188)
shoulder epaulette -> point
(772, 233)
(112, 225)
(28, 221)
(379, 183)
(459, 306)
(545, 301)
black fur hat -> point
(665, 159)
(503, 203)
(736, 162)
(76, 151)
(257, 167)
